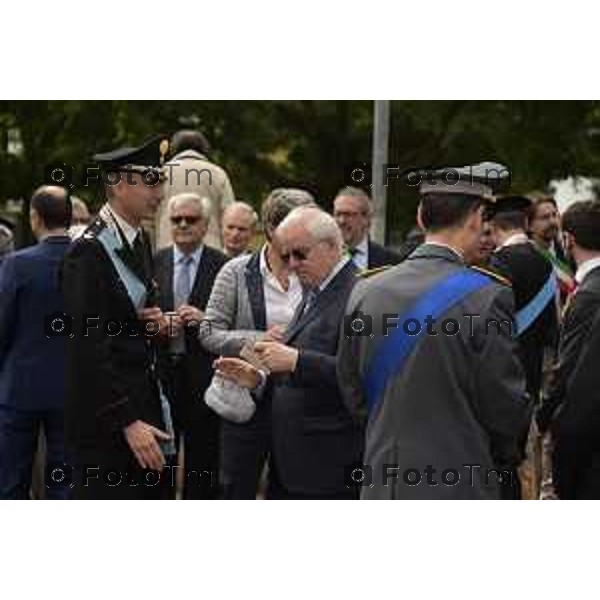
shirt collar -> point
(363, 246)
(448, 247)
(336, 269)
(584, 268)
(187, 154)
(262, 262)
(516, 238)
(195, 255)
(129, 232)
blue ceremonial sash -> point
(390, 356)
(534, 308)
(136, 290)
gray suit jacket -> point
(236, 307)
(457, 400)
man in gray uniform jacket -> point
(427, 358)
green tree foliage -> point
(267, 143)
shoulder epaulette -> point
(495, 276)
(368, 272)
(94, 228)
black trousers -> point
(199, 427)
(115, 475)
(277, 491)
(245, 448)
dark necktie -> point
(139, 249)
(309, 300)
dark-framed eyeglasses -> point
(347, 214)
(184, 219)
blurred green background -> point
(263, 144)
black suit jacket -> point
(314, 437)
(110, 379)
(380, 256)
(198, 362)
(528, 271)
(573, 395)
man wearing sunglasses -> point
(185, 273)
(314, 437)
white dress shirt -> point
(336, 269)
(515, 238)
(280, 304)
(129, 231)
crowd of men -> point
(318, 365)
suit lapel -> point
(200, 291)
(372, 255)
(256, 294)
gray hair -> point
(200, 203)
(354, 192)
(7, 244)
(320, 225)
(279, 203)
(79, 203)
(238, 204)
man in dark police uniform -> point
(118, 426)
(440, 386)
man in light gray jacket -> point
(190, 170)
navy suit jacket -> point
(314, 437)
(31, 364)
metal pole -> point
(381, 130)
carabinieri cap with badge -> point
(147, 159)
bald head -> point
(238, 224)
(52, 207)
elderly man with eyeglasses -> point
(315, 440)
(352, 210)
(185, 273)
